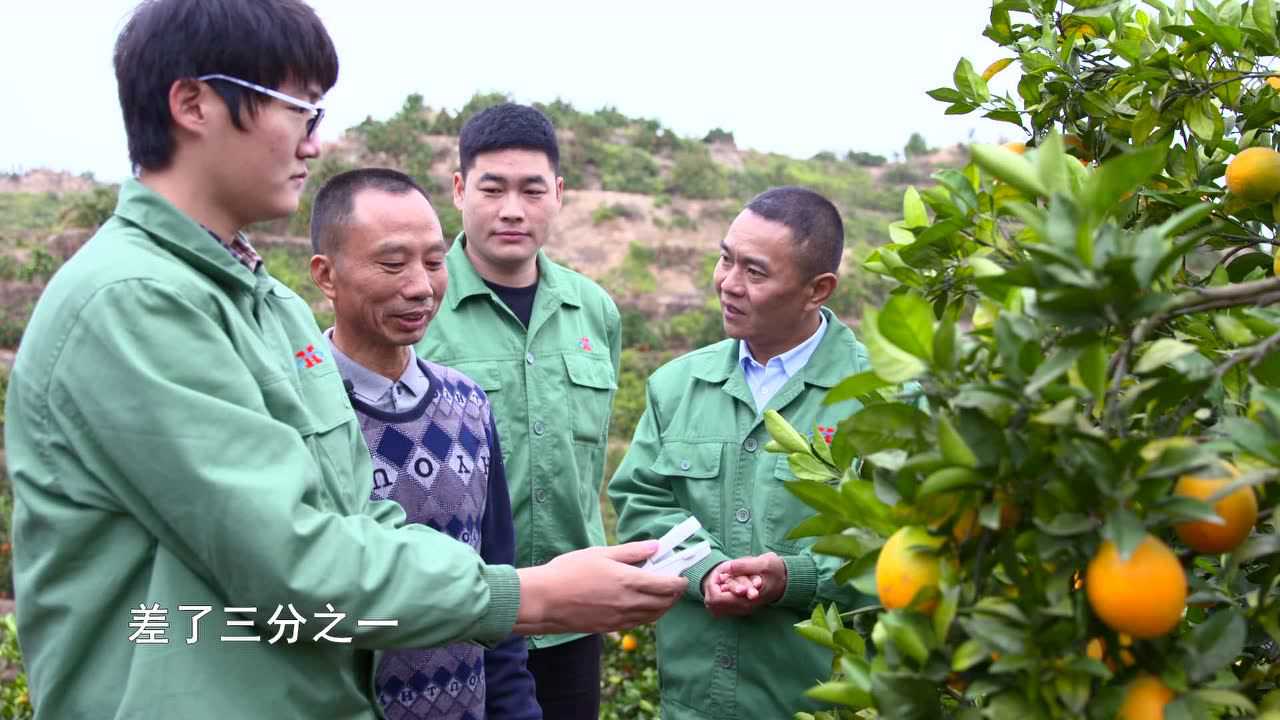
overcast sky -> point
(796, 77)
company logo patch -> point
(585, 344)
(308, 357)
(828, 433)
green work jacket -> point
(178, 435)
(699, 450)
(551, 388)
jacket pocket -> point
(693, 469)
(783, 511)
(591, 386)
(321, 413)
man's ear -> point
(820, 290)
(188, 105)
(322, 275)
(459, 185)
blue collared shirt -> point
(766, 380)
(377, 390)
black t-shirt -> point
(519, 299)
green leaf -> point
(855, 386)
(969, 83)
(818, 495)
(884, 426)
(985, 267)
(1196, 114)
(946, 612)
(843, 546)
(1007, 166)
(1161, 353)
(1233, 331)
(1050, 164)
(910, 633)
(913, 212)
(1225, 698)
(1052, 369)
(1122, 175)
(971, 652)
(785, 435)
(907, 322)
(1125, 530)
(840, 693)
(1092, 366)
(890, 362)
(944, 343)
(808, 467)
(862, 574)
(1067, 524)
(1264, 17)
(948, 479)
(954, 449)
(1214, 643)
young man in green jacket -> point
(193, 534)
(729, 649)
(544, 343)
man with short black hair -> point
(380, 261)
(193, 532)
(730, 649)
(544, 342)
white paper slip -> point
(672, 539)
(681, 561)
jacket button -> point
(539, 495)
(750, 445)
(726, 661)
(538, 427)
(528, 358)
(742, 515)
(684, 465)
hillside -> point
(644, 210)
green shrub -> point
(625, 169)
(696, 175)
(613, 211)
(629, 681)
(15, 697)
(30, 211)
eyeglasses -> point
(316, 110)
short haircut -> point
(267, 42)
(336, 201)
(813, 220)
(504, 127)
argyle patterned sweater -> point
(441, 461)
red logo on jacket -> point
(308, 357)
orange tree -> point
(1083, 456)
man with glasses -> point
(193, 531)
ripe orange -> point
(1254, 174)
(902, 569)
(629, 642)
(1144, 597)
(1017, 147)
(1274, 82)
(1239, 511)
(1145, 699)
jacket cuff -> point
(699, 571)
(802, 582)
(504, 602)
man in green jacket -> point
(729, 649)
(544, 343)
(193, 534)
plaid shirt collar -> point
(241, 250)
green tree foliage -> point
(718, 135)
(402, 139)
(695, 175)
(1082, 336)
(864, 159)
(916, 146)
(91, 209)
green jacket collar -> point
(178, 233)
(826, 368)
(467, 282)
